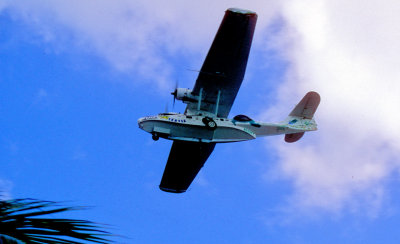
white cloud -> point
(5, 189)
(348, 52)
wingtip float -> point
(205, 121)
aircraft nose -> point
(140, 123)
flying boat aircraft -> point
(205, 121)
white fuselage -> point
(192, 128)
(175, 126)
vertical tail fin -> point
(305, 109)
(307, 106)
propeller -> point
(175, 93)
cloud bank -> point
(347, 53)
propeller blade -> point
(175, 93)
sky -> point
(76, 75)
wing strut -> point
(199, 102)
(217, 103)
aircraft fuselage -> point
(196, 128)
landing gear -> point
(210, 123)
(155, 137)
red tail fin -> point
(305, 109)
(307, 106)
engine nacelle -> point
(185, 95)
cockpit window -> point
(241, 117)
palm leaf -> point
(21, 219)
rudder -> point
(307, 106)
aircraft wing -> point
(225, 65)
(184, 162)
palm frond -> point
(22, 219)
(4, 239)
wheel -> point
(210, 123)
(155, 137)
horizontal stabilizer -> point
(307, 106)
(293, 137)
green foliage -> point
(21, 219)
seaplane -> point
(205, 121)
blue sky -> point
(74, 81)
